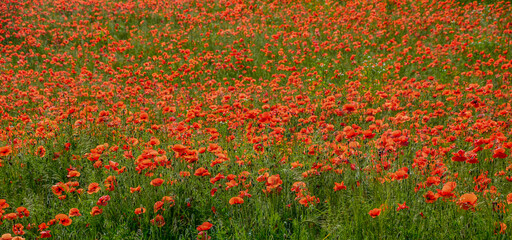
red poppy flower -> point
(339, 186)
(73, 173)
(63, 219)
(400, 174)
(140, 210)
(236, 200)
(202, 172)
(459, 156)
(135, 189)
(93, 188)
(157, 182)
(467, 201)
(158, 221)
(158, 206)
(22, 212)
(3, 204)
(213, 191)
(74, 212)
(375, 212)
(42, 226)
(273, 182)
(18, 229)
(45, 234)
(103, 200)
(430, 197)
(349, 107)
(154, 141)
(11, 216)
(204, 227)
(6, 236)
(41, 151)
(447, 189)
(179, 148)
(96, 211)
(401, 206)
(5, 151)
(499, 153)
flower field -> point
(243, 119)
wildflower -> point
(168, 199)
(6, 236)
(401, 206)
(93, 188)
(273, 182)
(218, 177)
(73, 173)
(154, 141)
(59, 188)
(447, 189)
(42, 226)
(158, 205)
(298, 186)
(339, 186)
(349, 107)
(158, 221)
(11, 216)
(103, 200)
(375, 212)
(63, 219)
(45, 234)
(467, 201)
(430, 197)
(18, 229)
(41, 151)
(178, 148)
(96, 211)
(307, 200)
(156, 182)
(3, 204)
(52, 222)
(110, 183)
(22, 212)
(135, 189)
(213, 191)
(459, 156)
(140, 210)
(296, 164)
(202, 172)
(499, 153)
(400, 174)
(236, 200)
(204, 227)
(74, 212)
(5, 151)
